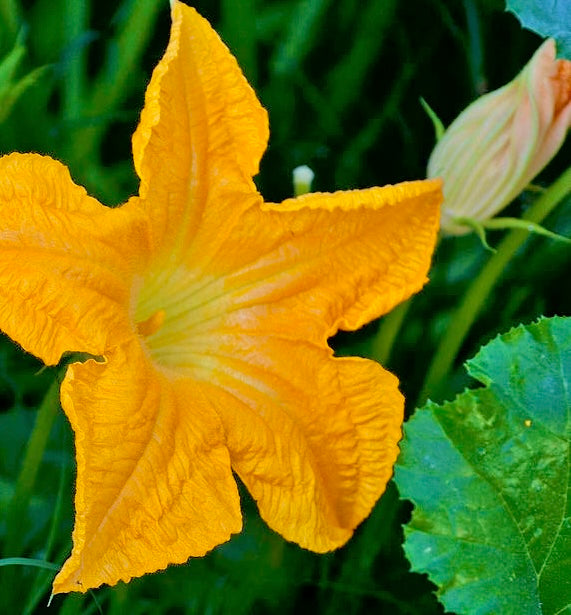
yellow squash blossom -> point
(207, 312)
(500, 142)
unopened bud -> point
(500, 142)
(302, 180)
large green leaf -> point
(489, 475)
(549, 19)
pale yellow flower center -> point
(175, 312)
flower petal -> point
(374, 257)
(312, 437)
(201, 132)
(550, 80)
(66, 261)
(154, 484)
(334, 260)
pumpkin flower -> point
(500, 142)
(207, 314)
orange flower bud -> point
(500, 142)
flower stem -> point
(16, 513)
(480, 288)
(239, 31)
(42, 582)
(76, 18)
(475, 53)
(382, 343)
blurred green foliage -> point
(342, 80)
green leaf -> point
(11, 61)
(489, 474)
(548, 19)
(26, 561)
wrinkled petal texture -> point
(499, 143)
(154, 484)
(315, 459)
(202, 133)
(66, 261)
(312, 437)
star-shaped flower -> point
(208, 312)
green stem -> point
(389, 327)
(16, 513)
(480, 288)
(76, 19)
(382, 343)
(475, 54)
(239, 31)
(40, 587)
(17, 507)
